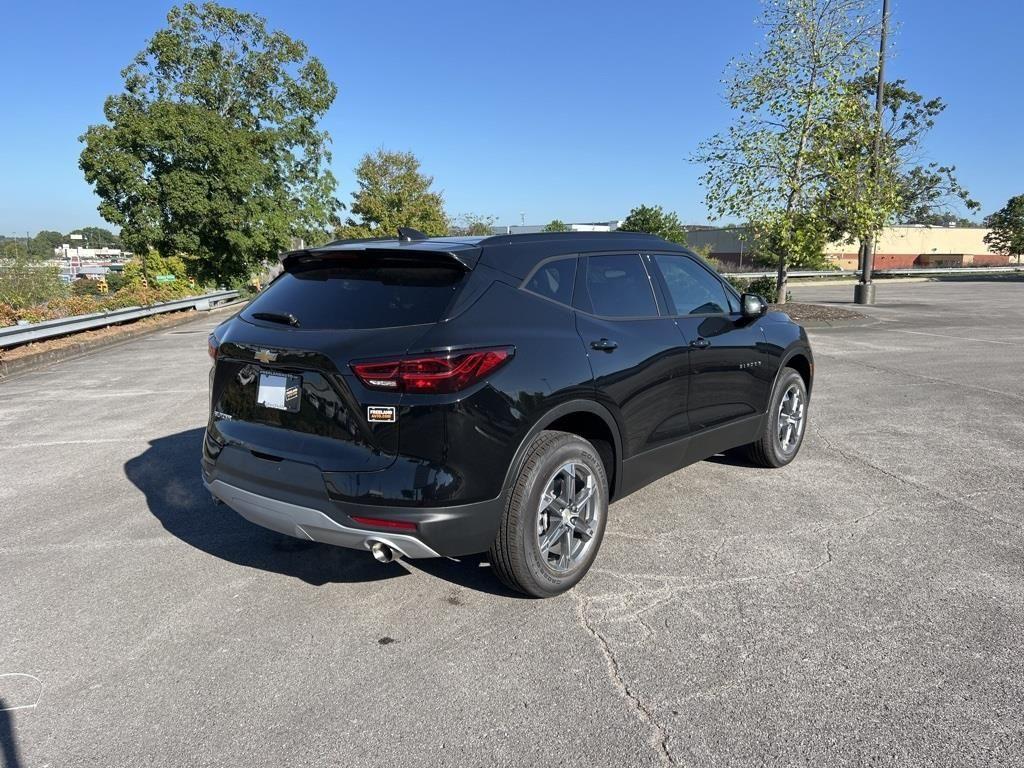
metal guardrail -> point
(923, 271)
(13, 335)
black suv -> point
(448, 396)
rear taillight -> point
(212, 346)
(432, 374)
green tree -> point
(800, 240)
(860, 203)
(1007, 224)
(212, 150)
(556, 225)
(767, 167)
(139, 269)
(393, 193)
(652, 219)
(44, 242)
(939, 219)
(98, 237)
(473, 224)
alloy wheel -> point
(568, 517)
(792, 416)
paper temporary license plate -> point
(280, 391)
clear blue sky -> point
(570, 110)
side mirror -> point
(753, 305)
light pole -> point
(864, 292)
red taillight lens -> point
(376, 522)
(434, 374)
(212, 346)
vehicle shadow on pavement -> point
(733, 459)
(167, 472)
(8, 744)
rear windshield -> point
(363, 296)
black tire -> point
(516, 555)
(768, 450)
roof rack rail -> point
(535, 236)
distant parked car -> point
(448, 396)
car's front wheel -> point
(555, 518)
(785, 423)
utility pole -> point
(864, 292)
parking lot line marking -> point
(960, 338)
(55, 443)
(910, 375)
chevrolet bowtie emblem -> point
(265, 356)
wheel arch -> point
(800, 360)
(587, 419)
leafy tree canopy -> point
(917, 192)
(772, 165)
(212, 151)
(800, 241)
(142, 268)
(97, 237)
(391, 193)
(938, 219)
(473, 224)
(654, 220)
(556, 225)
(1007, 235)
(44, 242)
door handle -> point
(700, 343)
(605, 345)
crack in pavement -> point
(659, 734)
(919, 486)
(663, 594)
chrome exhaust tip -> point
(382, 553)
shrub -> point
(25, 281)
(77, 303)
(766, 287)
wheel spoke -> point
(566, 545)
(551, 536)
(582, 499)
(547, 500)
(583, 528)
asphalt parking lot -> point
(864, 605)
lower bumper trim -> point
(312, 524)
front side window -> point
(693, 290)
(619, 286)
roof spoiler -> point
(311, 258)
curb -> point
(126, 332)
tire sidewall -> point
(582, 452)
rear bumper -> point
(312, 524)
(293, 498)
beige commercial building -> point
(897, 248)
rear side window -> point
(693, 290)
(362, 296)
(619, 286)
(554, 279)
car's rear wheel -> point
(785, 423)
(555, 518)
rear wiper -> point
(278, 317)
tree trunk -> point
(781, 281)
